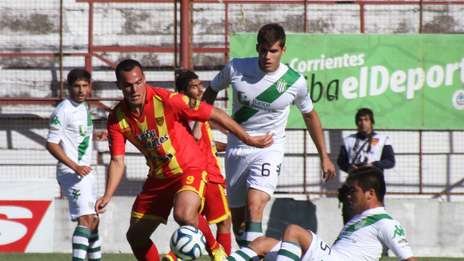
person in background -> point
(365, 148)
(70, 142)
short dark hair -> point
(364, 112)
(269, 34)
(78, 74)
(183, 78)
(369, 178)
(126, 66)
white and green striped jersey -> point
(362, 237)
(71, 126)
(261, 101)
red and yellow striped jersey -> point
(161, 132)
(208, 147)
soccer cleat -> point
(170, 257)
(218, 253)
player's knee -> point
(256, 209)
(95, 222)
(86, 221)
(135, 238)
(261, 245)
(225, 226)
(185, 216)
(292, 233)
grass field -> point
(128, 257)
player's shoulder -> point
(161, 93)
(381, 219)
(64, 104)
(117, 112)
(298, 79)
(381, 137)
(243, 64)
(351, 137)
(63, 107)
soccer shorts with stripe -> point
(216, 207)
(157, 196)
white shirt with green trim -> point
(71, 126)
(261, 100)
(362, 237)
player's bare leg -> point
(260, 247)
(138, 236)
(94, 250)
(238, 223)
(257, 201)
(295, 241)
(298, 235)
(186, 206)
(186, 212)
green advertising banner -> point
(410, 81)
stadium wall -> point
(434, 227)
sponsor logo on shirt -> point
(150, 140)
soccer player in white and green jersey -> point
(264, 88)
(70, 141)
(362, 238)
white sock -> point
(80, 243)
(243, 254)
(94, 251)
(289, 251)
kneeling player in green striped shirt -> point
(361, 238)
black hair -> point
(364, 112)
(183, 78)
(126, 66)
(78, 74)
(269, 34)
(369, 178)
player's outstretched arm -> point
(115, 173)
(59, 154)
(209, 96)
(220, 117)
(313, 124)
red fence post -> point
(185, 34)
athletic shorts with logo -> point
(81, 193)
(157, 196)
(255, 168)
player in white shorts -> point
(70, 141)
(361, 239)
(263, 88)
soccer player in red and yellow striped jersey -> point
(216, 208)
(156, 122)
